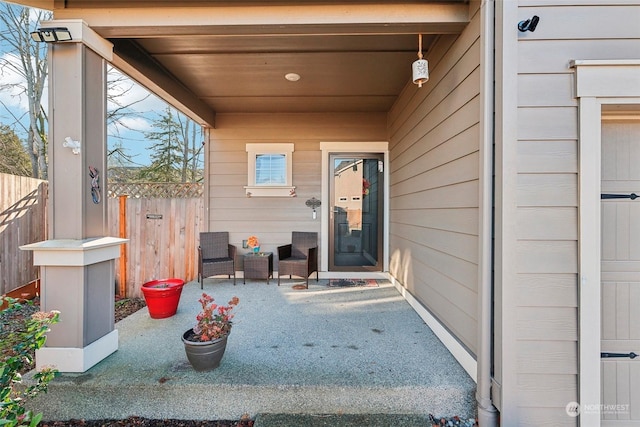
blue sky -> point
(130, 133)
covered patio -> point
(339, 350)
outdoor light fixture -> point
(529, 24)
(420, 67)
(313, 203)
(292, 77)
(51, 35)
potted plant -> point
(162, 297)
(206, 342)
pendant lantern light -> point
(420, 67)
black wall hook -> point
(529, 24)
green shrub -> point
(17, 347)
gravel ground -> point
(123, 308)
(145, 422)
(11, 320)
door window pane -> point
(356, 212)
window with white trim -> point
(269, 170)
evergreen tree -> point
(166, 156)
(174, 155)
(14, 158)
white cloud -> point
(13, 84)
(126, 91)
(127, 124)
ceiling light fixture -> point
(420, 67)
(292, 77)
(51, 35)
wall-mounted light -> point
(529, 24)
(313, 203)
(420, 67)
(51, 35)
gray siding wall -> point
(545, 321)
(433, 139)
(272, 219)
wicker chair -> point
(300, 257)
(216, 256)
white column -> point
(77, 264)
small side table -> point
(258, 266)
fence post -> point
(123, 248)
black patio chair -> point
(300, 257)
(216, 256)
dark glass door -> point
(356, 212)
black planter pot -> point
(204, 356)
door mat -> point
(346, 283)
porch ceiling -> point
(213, 56)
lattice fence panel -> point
(154, 190)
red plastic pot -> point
(162, 297)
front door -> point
(356, 195)
(620, 274)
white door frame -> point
(598, 83)
(378, 147)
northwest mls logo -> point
(572, 409)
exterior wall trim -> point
(597, 83)
(506, 223)
(466, 360)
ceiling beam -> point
(135, 63)
(132, 22)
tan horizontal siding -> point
(554, 223)
(455, 244)
(428, 138)
(429, 157)
(547, 290)
(545, 256)
(548, 156)
(548, 123)
(449, 53)
(547, 357)
(545, 417)
(558, 388)
(463, 272)
(546, 235)
(434, 175)
(273, 219)
(558, 90)
(463, 220)
(547, 323)
(462, 170)
(562, 22)
(463, 195)
(553, 56)
(547, 190)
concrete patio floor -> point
(325, 350)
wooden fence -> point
(163, 239)
(23, 219)
(163, 234)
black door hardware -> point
(631, 196)
(631, 355)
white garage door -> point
(620, 333)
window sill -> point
(270, 191)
